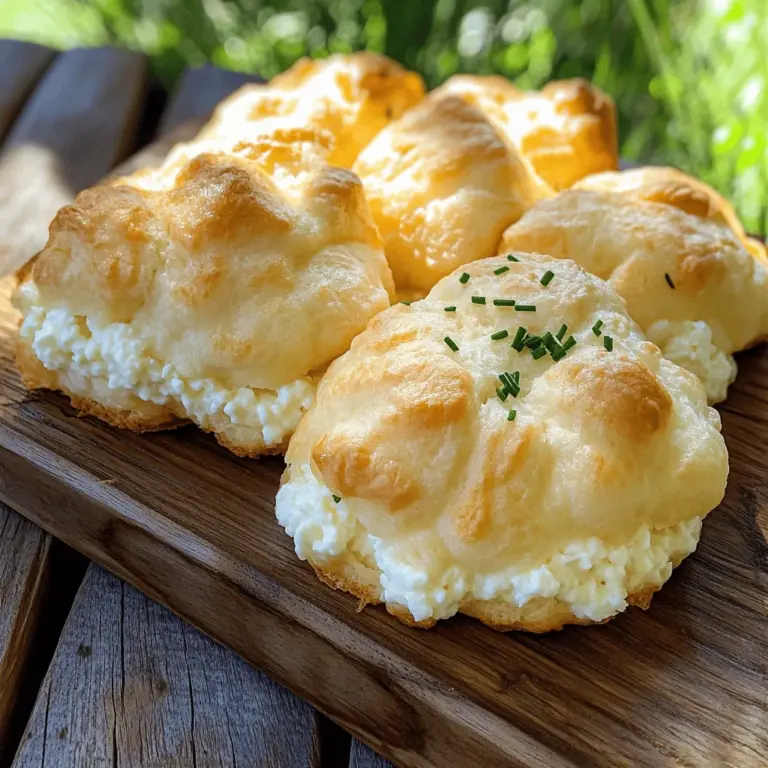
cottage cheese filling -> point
(109, 363)
(593, 579)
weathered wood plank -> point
(74, 128)
(133, 685)
(364, 757)
(24, 573)
(21, 65)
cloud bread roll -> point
(204, 291)
(688, 281)
(659, 184)
(567, 130)
(346, 98)
(531, 465)
(443, 183)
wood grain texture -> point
(24, 575)
(132, 685)
(21, 65)
(193, 527)
(77, 124)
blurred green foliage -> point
(690, 77)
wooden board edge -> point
(386, 702)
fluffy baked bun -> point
(658, 184)
(531, 478)
(687, 280)
(566, 130)
(205, 291)
(443, 183)
(346, 99)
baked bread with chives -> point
(510, 447)
(687, 279)
(443, 183)
(566, 130)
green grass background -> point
(690, 77)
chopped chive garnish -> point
(511, 387)
(504, 302)
(407, 303)
(547, 277)
(669, 281)
(449, 309)
(478, 299)
(519, 338)
(570, 342)
(500, 270)
(499, 335)
(538, 352)
(511, 415)
(525, 307)
(532, 342)
(563, 330)
(464, 277)
(502, 393)
(336, 498)
(596, 327)
(549, 341)
(608, 343)
(451, 343)
(512, 257)
(559, 354)
(516, 377)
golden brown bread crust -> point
(567, 130)
(443, 183)
(673, 260)
(345, 99)
(409, 483)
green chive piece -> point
(510, 384)
(407, 303)
(570, 342)
(502, 393)
(499, 335)
(478, 299)
(538, 352)
(532, 342)
(608, 343)
(511, 415)
(596, 327)
(547, 278)
(500, 270)
(525, 307)
(519, 338)
(512, 257)
(504, 302)
(516, 377)
(549, 341)
(336, 498)
(669, 281)
(449, 309)
(559, 354)
(563, 330)
(464, 277)
(451, 343)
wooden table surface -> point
(92, 672)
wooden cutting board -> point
(684, 684)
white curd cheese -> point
(593, 579)
(110, 363)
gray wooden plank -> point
(78, 123)
(21, 66)
(24, 570)
(198, 92)
(362, 756)
(133, 685)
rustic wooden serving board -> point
(685, 684)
